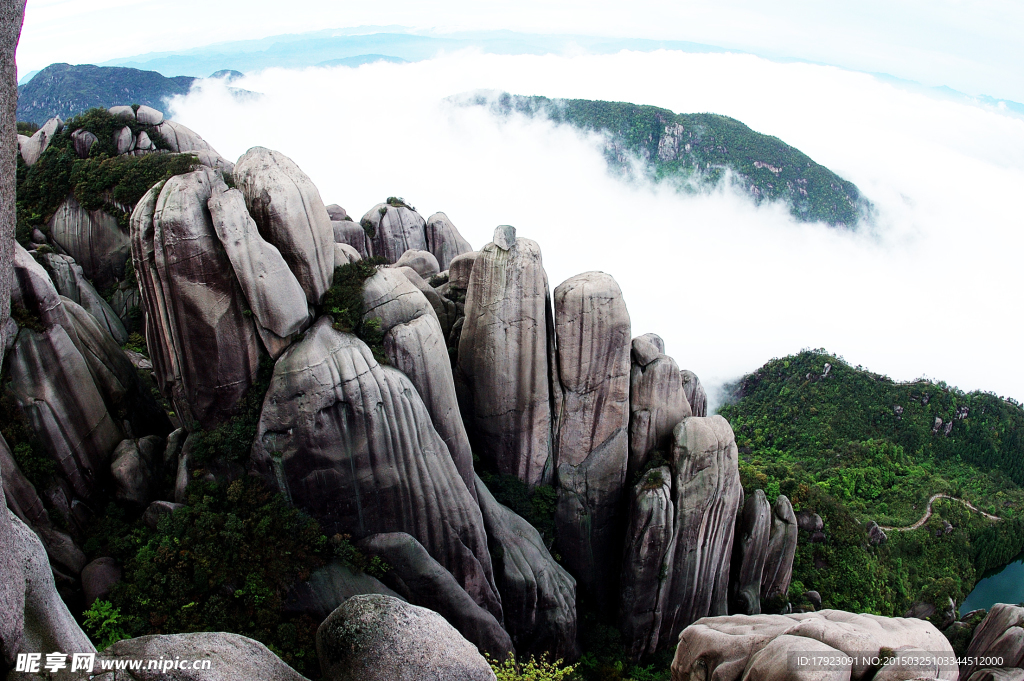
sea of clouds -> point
(931, 288)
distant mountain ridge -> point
(696, 151)
(65, 90)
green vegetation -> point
(854, 447)
(695, 151)
(221, 563)
(28, 452)
(103, 181)
(344, 302)
(65, 90)
(536, 506)
(104, 624)
(530, 670)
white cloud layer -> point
(934, 289)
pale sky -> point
(974, 47)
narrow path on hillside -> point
(928, 513)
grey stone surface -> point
(352, 234)
(657, 402)
(504, 237)
(83, 141)
(505, 361)
(753, 528)
(538, 596)
(93, 239)
(124, 140)
(328, 587)
(157, 510)
(123, 112)
(204, 348)
(378, 638)
(273, 294)
(422, 581)
(33, 147)
(147, 115)
(459, 269)
(351, 443)
(423, 262)
(287, 207)
(231, 658)
(135, 469)
(99, 578)
(393, 230)
(444, 240)
(70, 281)
(778, 563)
(1001, 634)
(592, 439)
(336, 212)
(694, 392)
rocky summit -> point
(243, 426)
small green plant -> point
(104, 624)
(531, 669)
(136, 343)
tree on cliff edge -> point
(12, 14)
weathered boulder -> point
(422, 581)
(379, 638)
(446, 311)
(345, 255)
(352, 234)
(778, 562)
(808, 521)
(33, 617)
(124, 140)
(93, 239)
(33, 147)
(592, 440)
(70, 282)
(725, 648)
(460, 268)
(694, 570)
(505, 359)
(336, 212)
(694, 392)
(204, 348)
(127, 305)
(83, 140)
(124, 112)
(1001, 634)
(143, 144)
(753, 528)
(414, 344)
(351, 443)
(220, 656)
(135, 470)
(423, 262)
(147, 115)
(287, 207)
(538, 596)
(998, 674)
(876, 535)
(656, 400)
(157, 510)
(328, 587)
(775, 661)
(394, 228)
(444, 240)
(648, 538)
(274, 295)
(99, 578)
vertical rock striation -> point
(94, 239)
(778, 563)
(592, 442)
(204, 348)
(656, 400)
(351, 443)
(505, 356)
(444, 240)
(394, 228)
(753, 526)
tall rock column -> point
(778, 564)
(394, 228)
(688, 537)
(593, 331)
(751, 543)
(505, 358)
(657, 401)
(12, 13)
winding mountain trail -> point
(928, 513)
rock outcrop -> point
(423, 262)
(778, 562)
(394, 228)
(415, 345)
(538, 596)
(379, 638)
(741, 647)
(694, 568)
(444, 240)
(352, 234)
(274, 295)
(505, 358)
(221, 656)
(694, 393)
(33, 147)
(656, 400)
(328, 587)
(1000, 634)
(351, 443)
(592, 442)
(753, 529)
(460, 268)
(287, 207)
(422, 581)
(204, 348)
(182, 139)
(70, 281)
(94, 239)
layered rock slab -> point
(592, 442)
(351, 443)
(204, 348)
(505, 359)
(290, 214)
